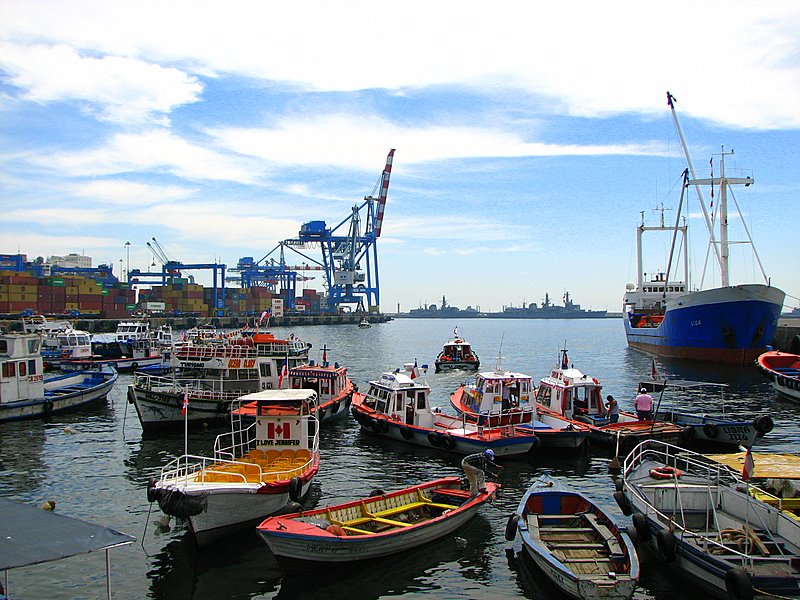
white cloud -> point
(130, 193)
(156, 150)
(119, 89)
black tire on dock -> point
(641, 526)
(666, 545)
(511, 527)
(738, 584)
(623, 503)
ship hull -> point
(730, 325)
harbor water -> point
(95, 464)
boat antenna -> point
(498, 367)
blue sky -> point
(528, 137)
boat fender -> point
(335, 407)
(448, 443)
(434, 439)
(641, 526)
(373, 424)
(406, 432)
(295, 489)
(134, 366)
(356, 414)
(634, 537)
(623, 503)
(48, 407)
(152, 492)
(376, 492)
(511, 527)
(290, 508)
(666, 545)
(763, 424)
(711, 430)
(665, 473)
(738, 584)
(618, 484)
(383, 426)
(177, 504)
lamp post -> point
(128, 264)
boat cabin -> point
(21, 370)
(328, 381)
(74, 343)
(399, 396)
(498, 391)
(573, 395)
(283, 419)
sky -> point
(531, 138)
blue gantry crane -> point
(172, 270)
(350, 260)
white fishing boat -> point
(25, 392)
(212, 376)
(699, 517)
(108, 344)
(576, 543)
(364, 323)
(396, 406)
(457, 354)
(331, 383)
(266, 461)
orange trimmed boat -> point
(376, 526)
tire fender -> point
(448, 443)
(511, 527)
(406, 432)
(666, 545)
(711, 430)
(434, 439)
(295, 489)
(738, 584)
(641, 526)
(623, 503)
(763, 424)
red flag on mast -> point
(749, 467)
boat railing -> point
(202, 351)
(209, 389)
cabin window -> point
(420, 400)
(266, 369)
(23, 369)
(31, 367)
(380, 406)
(398, 402)
(3, 346)
(9, 370)
(543, 395)
(33, 346)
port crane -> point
(172, 270)
(349, 260)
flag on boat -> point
(185, 405)
(264, 315)
(749, 467)
(654, 371)
(284, 372)
(415, 370)
(565, 361)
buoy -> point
(49, 505)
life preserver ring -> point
(665, 472)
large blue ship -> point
(725, 324)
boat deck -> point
(580, 541)
(256, 466)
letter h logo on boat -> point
(278, 429)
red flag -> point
(749, 466)
(711, 162)
(185, 405)
(284, 372)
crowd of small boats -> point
(714, 524)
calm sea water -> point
(95, 464)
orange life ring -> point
(665, 473)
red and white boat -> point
(783, 370)
(334, 388)
(500, 398)
(569, 393)
(266, 461)
(457, 353)
(396, 406)
(375, 526)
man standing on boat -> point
(644, 405)
(475, 466)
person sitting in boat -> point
(612, 409)
(475, 466)
(644, 405)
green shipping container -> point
(104, 292)
(130, 307)
(55, 281)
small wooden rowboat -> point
(574, 542)
(375, 526)
(783, 370)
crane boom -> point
(387, 172)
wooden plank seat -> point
(576, 546)
(608, 537)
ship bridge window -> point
(31, 367)
(3, 346)
(9, 369)
(543, 395)
(33, 346)
(23, 369)
(420, 400)
(266, 369)
(380, 406)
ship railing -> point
(191, 468)
(204, 351)
(210, 388)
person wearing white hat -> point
(644, 405)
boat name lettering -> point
(193, 365)
(234, 363)
(737, 432)
(278, 442)
(35, 378)
(695, 323)
(329, 550)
